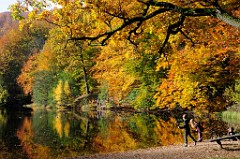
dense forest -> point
(144, 53)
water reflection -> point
(10, 146)
(57, 134)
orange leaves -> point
(199, 52)
(198, 74)
(25, 79)
(26, 136)
(196, 68)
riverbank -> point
(203, 150)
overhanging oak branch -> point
(172, 28)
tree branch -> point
(134, 31)
(163, 7)
(126, 23)
(222, 15)
(225, 17)
(172, 29)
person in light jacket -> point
(198, 128)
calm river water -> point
(55, 134)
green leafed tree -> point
(42, 87)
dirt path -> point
(202, 150)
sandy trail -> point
(202, 150)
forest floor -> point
(203, 150)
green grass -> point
(234, 115)
(232, 118)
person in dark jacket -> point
(187, 131)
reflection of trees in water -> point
(67, 134)
(8, 143)
(3, 118)
(3, 121)
(11, 120)
(41, 124)
(168, 132)
(26, 135)
(124, 132)
(114, 137)
(213, 126)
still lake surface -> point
(47, 134)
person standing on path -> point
(198, 127)
(187, 131)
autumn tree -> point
(15, 47)
(25, 79)
(74, 71)
(65, 67)
(171, 33)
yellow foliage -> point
(67, 129)
(45, 59)
(67, 90)
(59, 92)
(44, 14)
(58, 125)
(193, 69)
(163, 129)
(117, 139)
(110, 68)
(32, 15)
